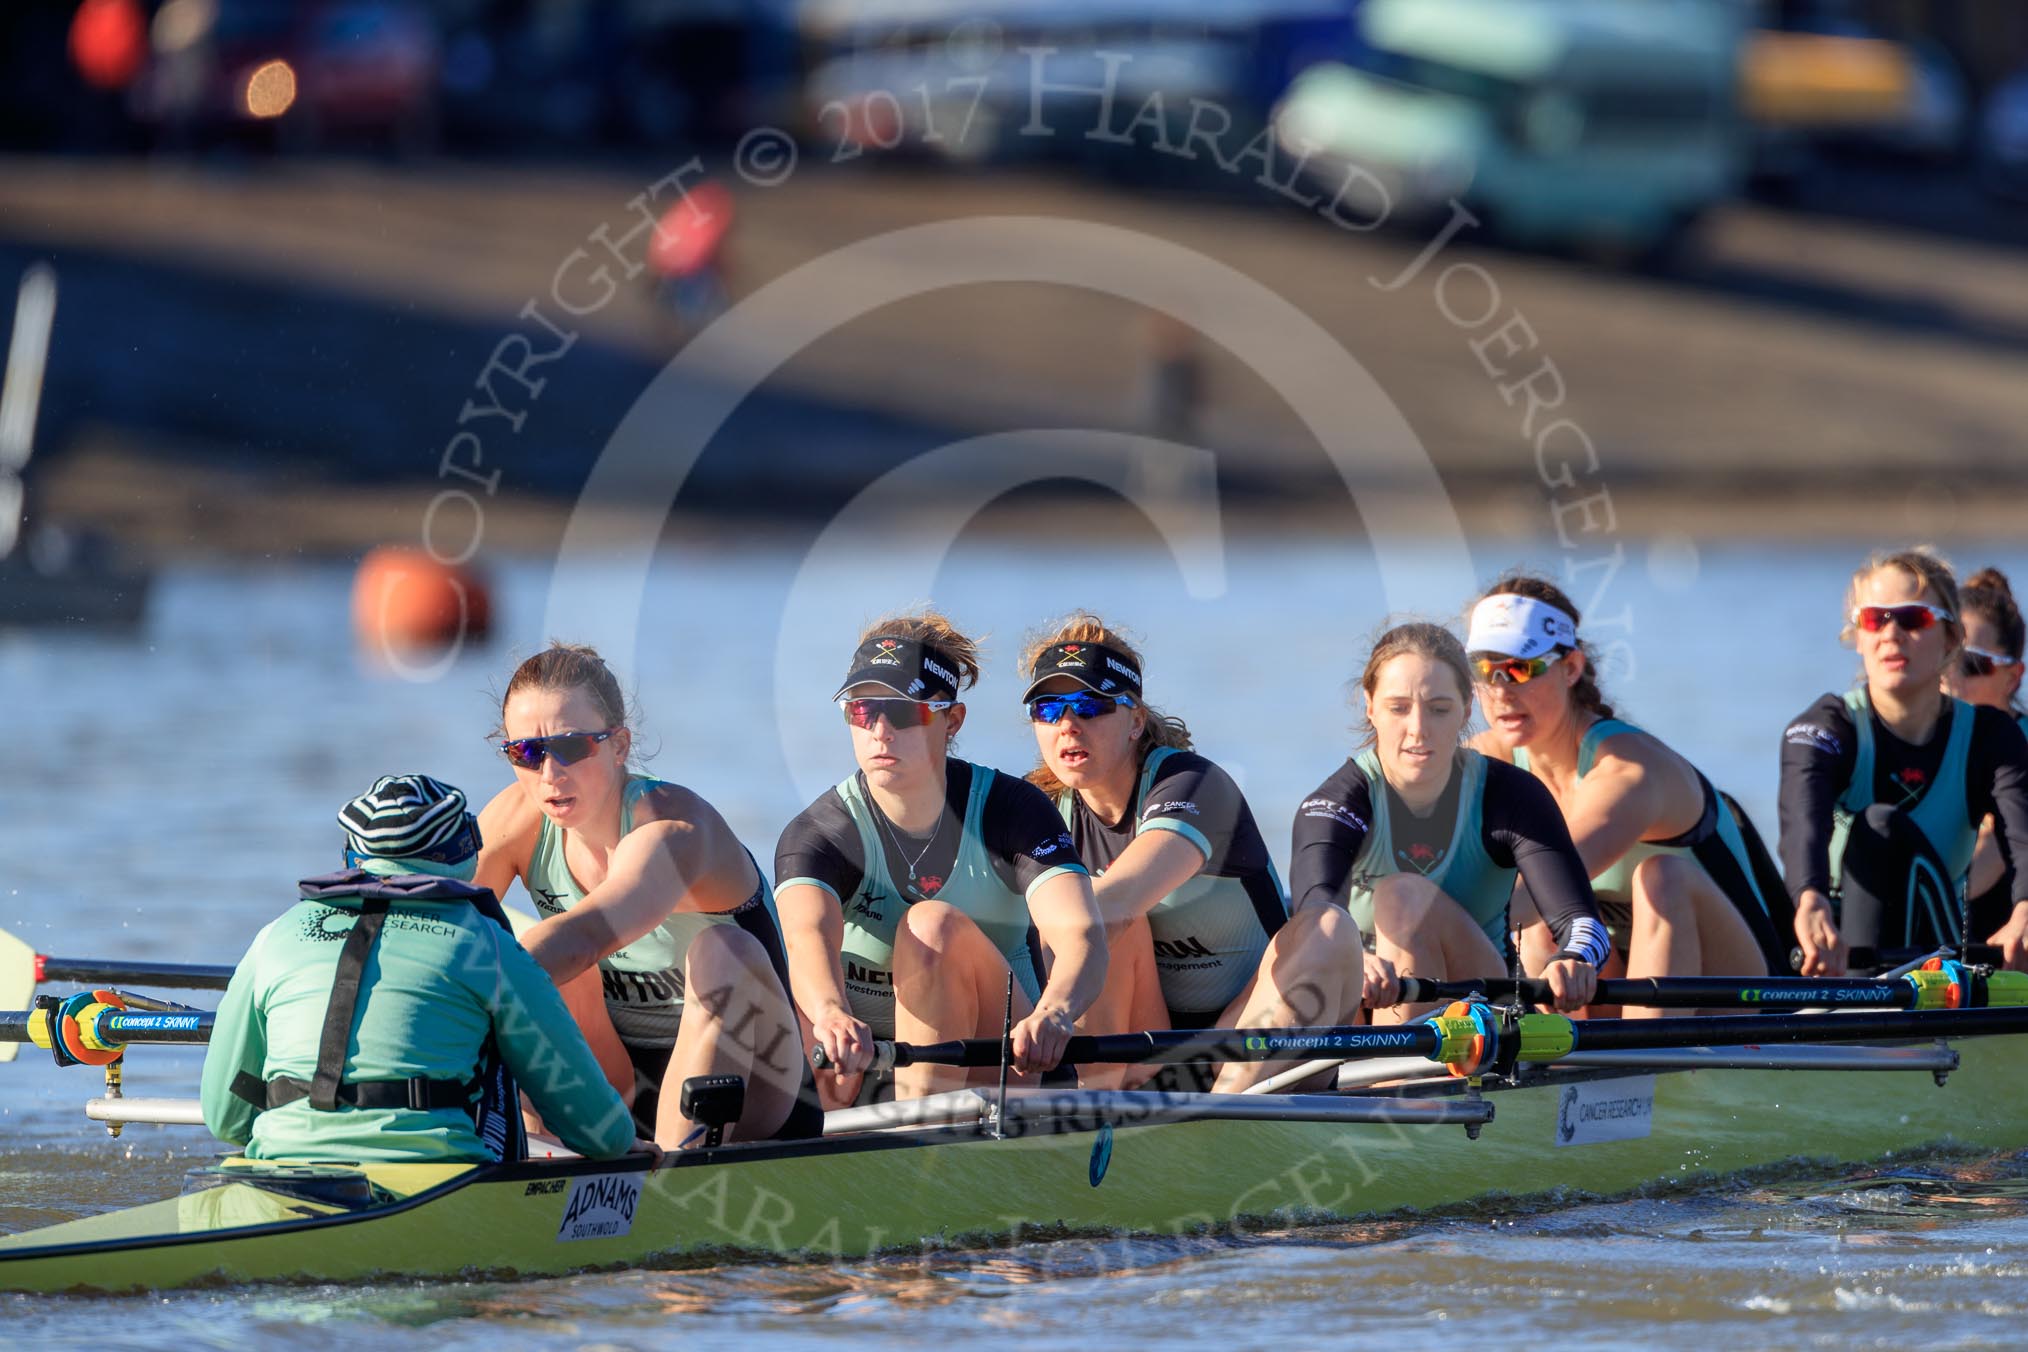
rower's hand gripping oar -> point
(1473, 1039)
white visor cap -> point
(1519, 626)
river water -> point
(166, 790)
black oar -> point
(1472, 1040)
(121, 972)
(1918, 990)
(1217, 1044)
(22, 969)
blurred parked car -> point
(1590, 122)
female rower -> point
(1422, 836)
(1198, 931)
(908, 891)
(1883, 787)
(646, 895)
(1988, 672)
(1671, 864)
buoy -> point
(405, 598)
(108, 42)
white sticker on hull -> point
(600, 1207)
(1605, 1110)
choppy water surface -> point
(174, 787)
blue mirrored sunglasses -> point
(1052, 708)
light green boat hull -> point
(852, 1196)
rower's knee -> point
(1662, 893)
(929, 933)
(1401, 902)
(1329, 932)
(721, 956)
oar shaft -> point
(1467, 1040)
(119, 972)
(1682, 992)
(1216, 1044)
(1749, 1030)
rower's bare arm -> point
(1066, 916)
(1155, 864)
(813, 935)
(2012, 939)
(1988, 865)
(508, 827)
(1817, 935)
(1615, 807)
(647, 878)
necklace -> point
(894, 834)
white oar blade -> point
(17, 982)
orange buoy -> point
(108, 42)
(405, 598)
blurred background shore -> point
(1776, 254)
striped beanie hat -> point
(410, 824)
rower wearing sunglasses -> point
(1988, 672)
(388, 1014)
(645, 894)
(1682, 879)
(1883, 787)
(1423, 837)
(1198, 931)
(908, 892)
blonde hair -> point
(1423, 639)
(570, 666)
(565, 667)
(1082, 626)
(1931, 571)
(934, 629)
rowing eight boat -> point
(1058, 1161)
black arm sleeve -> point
(1524, 829)
(822, 844)
(1329, 832)
(1819, 750)
(1023, 833)
(1998, 774)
